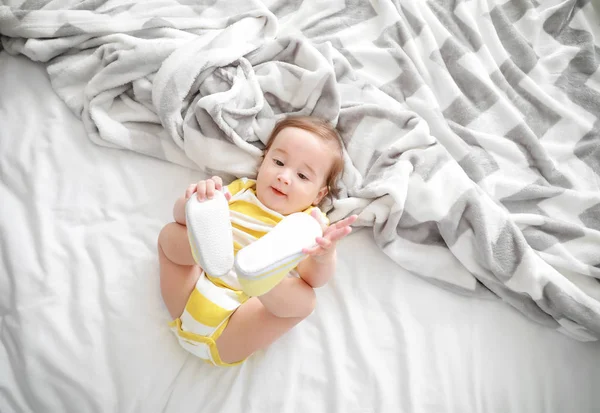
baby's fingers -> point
(311, 250)
(218, 182)
(324, 242)
(201, 190)
(190, 190)
(210, 188)
(346, 221)
(339, 233)
(317, 215)
(351, 219)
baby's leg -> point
(261, 320)
(178, 272)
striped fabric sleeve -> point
(239, 185)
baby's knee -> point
(166, 234)
(309, 304)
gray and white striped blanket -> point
(472, 128)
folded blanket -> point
(472, 142)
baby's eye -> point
(278, 162)
(303, 177)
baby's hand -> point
(331, 235)
(206, 189)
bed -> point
(421, 316)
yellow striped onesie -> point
(212, 302)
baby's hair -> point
(323, 130)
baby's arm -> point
(319, 266)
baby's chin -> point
(271, 204)
(279, 206)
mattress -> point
(83, 327)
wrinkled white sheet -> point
(83, 328)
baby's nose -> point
(283, 178)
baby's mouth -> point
(277, 191)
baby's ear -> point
(320, 195)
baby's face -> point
(293, 174)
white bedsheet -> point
(83, 328)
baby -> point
(212, 317)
